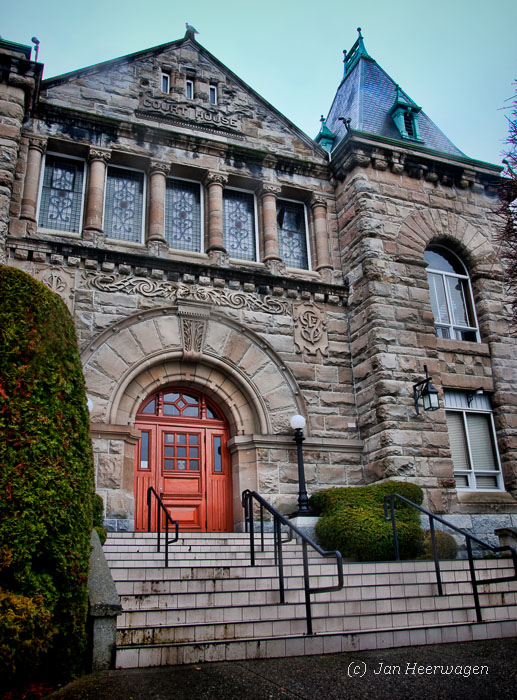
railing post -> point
(278, 536)
(473, 580)
(149, 509)
(252, 530)
(435, 554)
(306, 583)
(158, 524)
(261, 527)
(166, 542)
(394, 526)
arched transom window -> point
(451, 295)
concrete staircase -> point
(210, 605)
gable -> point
(130, 89)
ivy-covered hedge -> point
(353, 521)
(46, 482)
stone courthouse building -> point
(225, 272)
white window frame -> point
(144, 199)
(165, 80)
(456, 402)
(201, 213)
(189, 87)
(83, 193)
(466, 277)
(212, 91)
(255, 220)
(307, 238)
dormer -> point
(405, 115)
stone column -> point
(215, 183)
(269, 194)
(37, 147)
(97, 160)
(319, 211)
(156, 230)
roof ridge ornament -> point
(325, 138)
(351, 57)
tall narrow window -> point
(292, 237)
(472, 441)
(451, 295)
(239, 224)
(212, 94)
(166, 83)
(189, 89)
(62, 194)
(183, 215)
(123, 210)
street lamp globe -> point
(297, 422)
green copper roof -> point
(368, 101)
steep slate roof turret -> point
(367, 99)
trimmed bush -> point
(353, 521)
(445, 544)
(46, 478)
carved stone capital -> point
(99, 154)
(38, 143)
(216, 179)
(158, 166)
(269, 188)
(317, 200)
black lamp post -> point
(298, 424)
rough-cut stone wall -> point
(131, 89)
(18, 84)
(386, 221)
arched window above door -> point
(451, 295)
(178, 403)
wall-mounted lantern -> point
(428, 392)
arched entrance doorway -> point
(183, 454)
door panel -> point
(219, 491)
(187, 462)
(182, 477)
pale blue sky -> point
(456, 58)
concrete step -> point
(209, 604)
(305, 645)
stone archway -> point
(195, 347)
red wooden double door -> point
(183, 454)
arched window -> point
(451, 295)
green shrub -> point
(46, 471)
(353, 521)
(25, 633)
(446, 545)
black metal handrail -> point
(390, 517)
(160, 508)
(278, 521)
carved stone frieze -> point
(177, 291)
(310, 329)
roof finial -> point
(359, 32)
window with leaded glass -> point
(292, 236)
(239, 224)
(183, 215)
(123, 209)
(451, 295)
(472, 441)
(62, 194)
